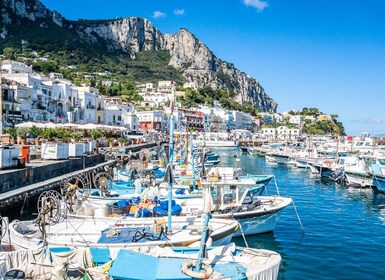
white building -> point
(92, 106)
(155, 99)
(280, 133)
(13, 67)
(56, 76)
(67, 102)
(130, 121)
(145, 88)
(191, 85)
(217, 119)
(151, 120)
(269, 133)
(242, 120)
(285, 133)
(165, 86)
(295, 119)
(119, 113)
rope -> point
(68, 221)
(240, 273)
(243, 235)
(299, 220)
(276, 185)
(139, 235)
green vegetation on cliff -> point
(63, 47)
(208, 95)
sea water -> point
(344, 228)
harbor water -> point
(344, 228)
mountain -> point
(28, 23)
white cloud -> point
(158, 14)
(179, 12)
(260, 5)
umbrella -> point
(27, 124)
(70, 125)
(49, 125)
(88, 126)
(38, 124)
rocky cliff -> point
(133, 35)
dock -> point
(42, 175)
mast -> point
(338, 140)
(171, 159)
(186, 142)
(193, 165)
(1, 96)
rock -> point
(196, 61)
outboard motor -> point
(338, 174)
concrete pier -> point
(41, 175)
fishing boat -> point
(361, 174)
(378, 171)
(229, 262)
(279, 158)
(270, 159)
(253, 151)
(202, 262)
(235, 199)
(112, 233)
(379, 182)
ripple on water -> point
(344, 227)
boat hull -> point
(379, 182)
(358, 180)
(256, 225)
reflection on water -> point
(260, 241)
(343, 226)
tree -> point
(9, 53)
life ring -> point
(205, 274)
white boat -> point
(358, 179)
(253, 151)
(271, 160)
(112, 233)
(234, 199)
(219, 140)
(279, 158)
(361, 174)
(223, 262)
(226, 262)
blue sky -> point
(327, 54)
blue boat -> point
(379, 182)
(378, 177)
(178, 262)
(225, 262)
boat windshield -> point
(228, 196)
